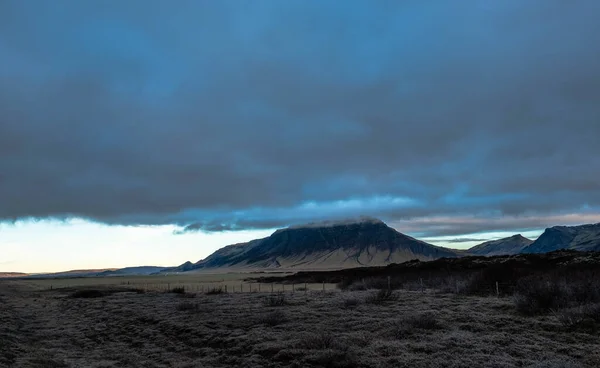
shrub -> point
(275, 300)
(215, 291)
(586, 317)
(406, 326)
(178, 290)
(351, 302)
(334, 358)
(273, 319)
(424, 321)
(381, 296)
(369, 283)
(88, 293)
(538, 296)
(318, 341)
(188, 307)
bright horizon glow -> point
(53, 246)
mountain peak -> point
(506, 246)
(364, 241)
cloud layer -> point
(236, 115)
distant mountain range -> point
(372, 243)
(127, 271)
(581, 238)
(339, 245)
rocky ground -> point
(116, 328)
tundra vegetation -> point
(543, 318)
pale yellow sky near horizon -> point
(54, 246)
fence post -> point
(168, 287)
(293, 288)
(226, 288)
(241, 287)
(323, 286)
(272, 287)
(497, 290)
(456, 282)
(422, 288)
(259, 287)
(389, 283)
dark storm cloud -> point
(231, 115)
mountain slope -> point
(137, 270)
(506, 246)
(324, 246)
(582, 238)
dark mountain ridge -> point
(329, 245)
(582, 238)
(506, 246)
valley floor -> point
(314, 329)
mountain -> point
(368, 242)
(506, 246)
(12, 274)
(582, 238)
(128, 271)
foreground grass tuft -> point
(88, 293)
(351, 302)
(215, 291)
(408, 325)
(178, 290)
(188, 307)
(584, 318)
(381, 296)
(318, 341)
(275, 300)
(273, 318)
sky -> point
(154, 132)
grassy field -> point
(196, 282)
(111, 326)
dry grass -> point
(157, 329)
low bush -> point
(381, 296)
(188, 307)
(215, 291)
(99, 293)
(351, 302)
(542, 294)
(333, 358)
(275, 300)
(585, 317)
(406, 326)
(178, 290)
(88, 293)
(538, 297)
(273, 318)
(318, 341)
(424, 321)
